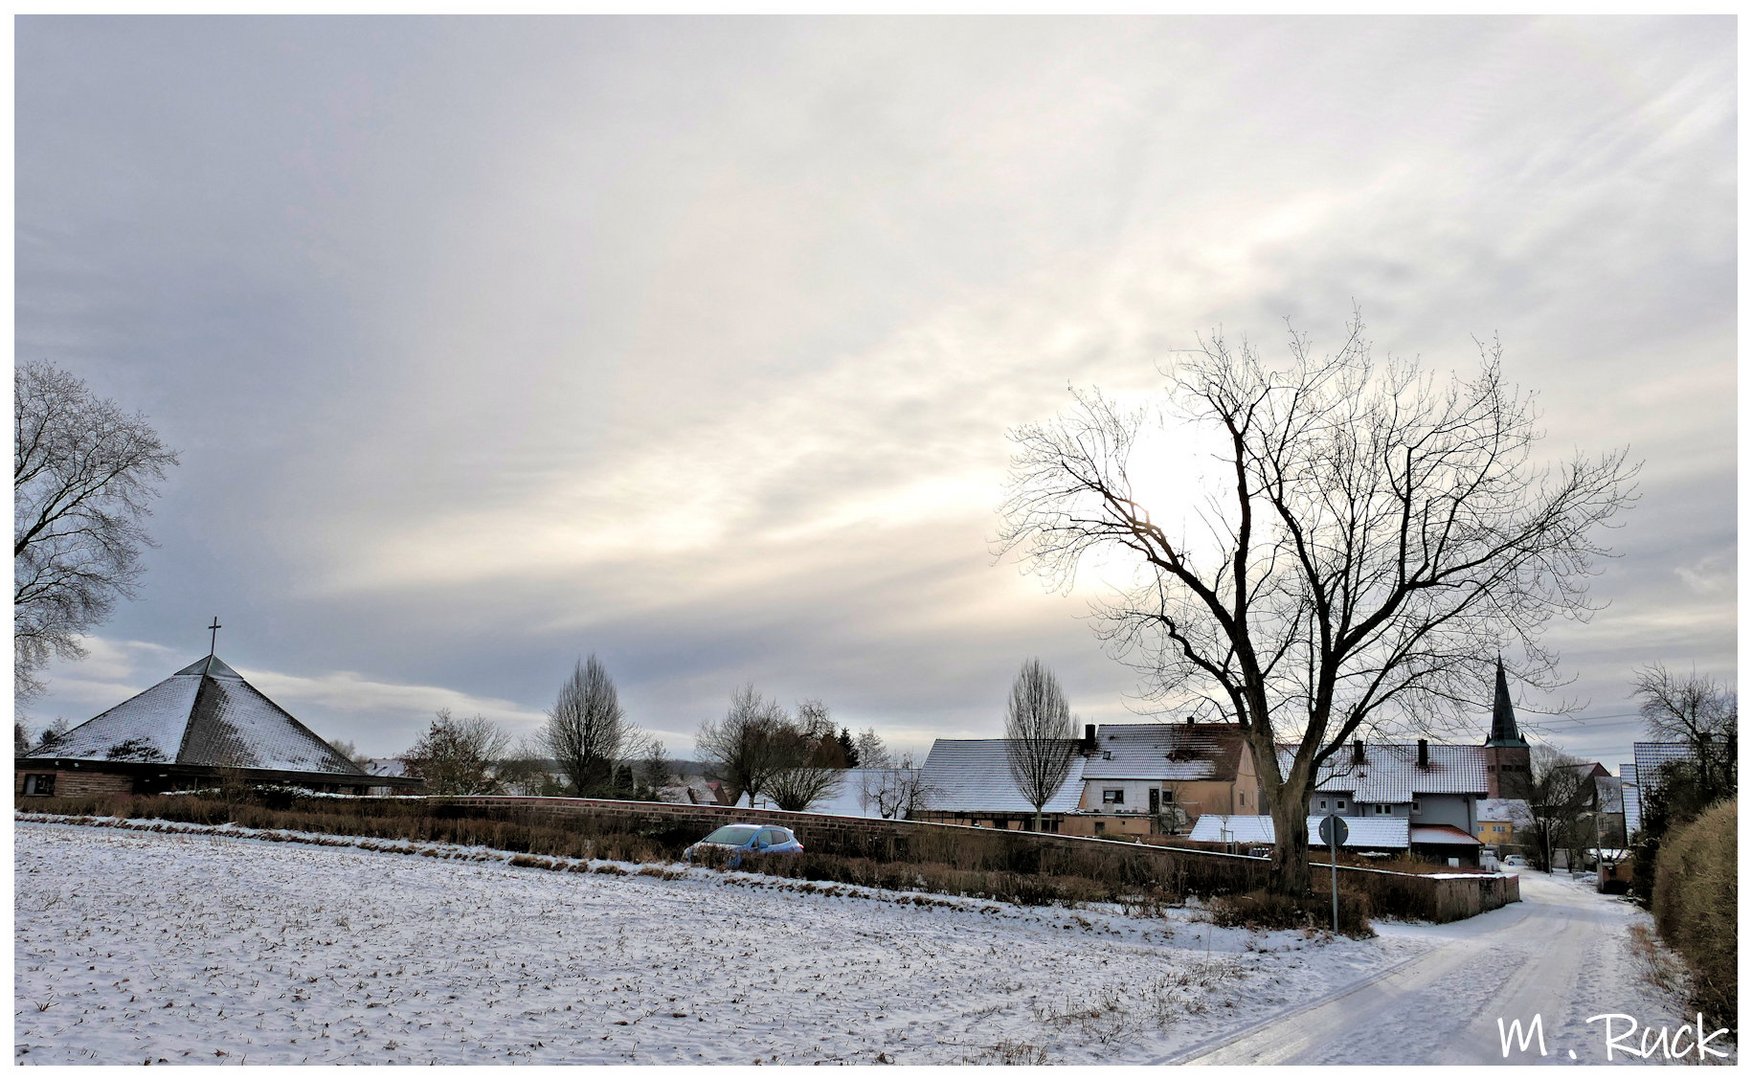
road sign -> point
(1333, 830)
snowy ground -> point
(187, 948)
(132, 946)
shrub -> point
(1263, 910)
(1695, 903)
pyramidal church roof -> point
(205, 714)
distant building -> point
(1499, 820)
(1157, 779)
(1508, 760)
(201, 725)
(970, 784)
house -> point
(1630, 793)
(1499, 820)
(201, 725)
(1654, 762)
(1157, 779)
(970, 784)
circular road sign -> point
(1333, 831)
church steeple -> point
(1503, 730)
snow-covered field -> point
(136, 946)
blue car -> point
(737, 839)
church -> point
(201, 724)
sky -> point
(693, 343)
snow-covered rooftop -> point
(1631, 793)
(1389, 772)
(1514, 811)
(1165, 752)
(205, 714)
(974, 775)
(1364, 832)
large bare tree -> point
(1373, 538)
(749, 745)
(84, 474)
(587, 731)
(1039, 735)
(1696, 710)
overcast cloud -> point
(693, 343)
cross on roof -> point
(213, 646)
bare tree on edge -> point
(1376, 538)
(1039, 734)
(83, 476)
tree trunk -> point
(1289, 860)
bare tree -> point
(346, 749)
(1695, 710)
(1039, 734)
(808, 777)
(1561, 797)
(897, 790)
(587, 731)
(83, 476)
(748, 746)
(871, 753)
(458, 757)
(656, 771)
(1374, 539)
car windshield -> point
(735, 835)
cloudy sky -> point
(693, 343)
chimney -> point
(1357, 751)
(1189, 721)
(1088, 738)
(1423, 753)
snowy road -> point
(1562, 955)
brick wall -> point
(74, 783)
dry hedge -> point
(1695, 903)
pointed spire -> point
(1503, 730)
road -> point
(1563, 954)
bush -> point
(1263, 910)
(1695, 904)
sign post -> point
(1334, 832)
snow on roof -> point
(974, 775)
(384, 766)
(1165, 752)
(1632, 795)
(1513, 811)
(1364, 832)
(1651, 756)
(205, 714)
(1389, 772)
(1443, 834)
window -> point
(1112, 796)
(1322, 802)
(39, 783)
(1101, 826)
(1340, 806)
(1383, 808)
(1416, 807)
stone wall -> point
(1438, 898)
